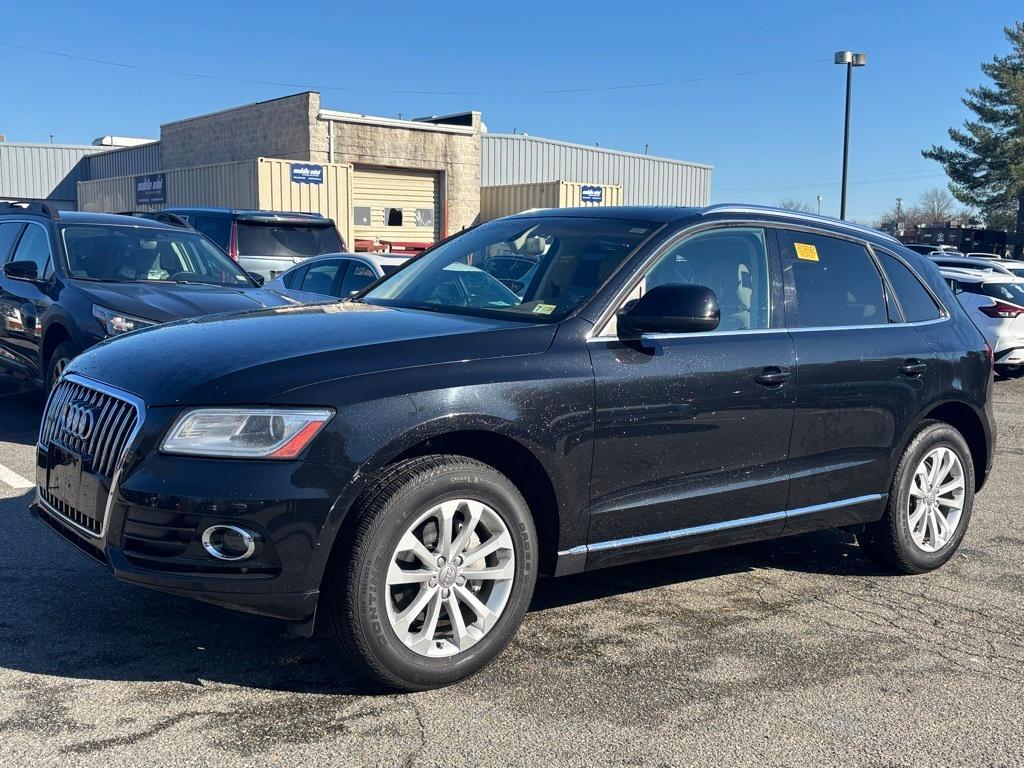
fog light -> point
(229, 542)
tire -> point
(59, 358)
(892, 541)
(367, 618)
(1009, 371)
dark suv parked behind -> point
(73, 279)
(405, 464)
(265, 243)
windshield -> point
(256, 238)
(538, 268)
(126, 254)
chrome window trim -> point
(943, 309)
(140, 413)
(725, 525)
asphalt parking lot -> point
(797, 652)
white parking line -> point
(13, 479)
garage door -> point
(396, 204)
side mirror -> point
(670, 308)
(21, 270)
(257, 278)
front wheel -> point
(438, 575)
(930, 503)
(59, 360)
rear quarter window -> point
(915, 301)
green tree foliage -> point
(987, 168)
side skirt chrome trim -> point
(682, 533)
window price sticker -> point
(806, 251)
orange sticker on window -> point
(806, 251)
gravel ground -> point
(795, 652)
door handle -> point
(772, 376)
(913, 367)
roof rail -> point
(33, 207)
(767, 210)
(167, 218)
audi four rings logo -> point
(79, 420)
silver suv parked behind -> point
(265, 243)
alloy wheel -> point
(450, 577)
(936, 501)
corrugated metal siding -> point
(332, 198)
(129, 161)
(43, 171)
(264, 183)
(228, 185)
(510, 159)
(381, 188)
(496, 202)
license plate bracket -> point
(69, 481)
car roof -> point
(670, 214)
(89, 217)
(247, 212)
(978, 275)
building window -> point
(425, 217)
(393, 217)
(361, 215)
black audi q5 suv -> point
(403, 465)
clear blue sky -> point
(769, 135)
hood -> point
(255, 357)
(164, 302)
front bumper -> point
(152, 537)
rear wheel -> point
(1009, 371)
(59, 360)
(438, 576)
(930, 503)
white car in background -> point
(1002, 266)
(995, 302)
(334, 276)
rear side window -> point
(836, 281)
(358, 277)
(217, 228)
(914, 299)
(320, 277)
(8, 235)
(259, 239)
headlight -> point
(245, 433)
(116, 323)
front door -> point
(22, 303)
(693, 430)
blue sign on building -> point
(307, 173)
(151, 189)
(592, 194)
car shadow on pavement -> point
(68, 618)
(21, 407)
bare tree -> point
(792, 204)
(936, 206)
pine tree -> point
(987, 171)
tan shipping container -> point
(496, 202)
(261, 184)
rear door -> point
(861, 373)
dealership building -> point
(383, 180)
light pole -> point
(851, 60)
(819, 205)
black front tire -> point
(59, 359)
(353, 604)
(889, 541)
